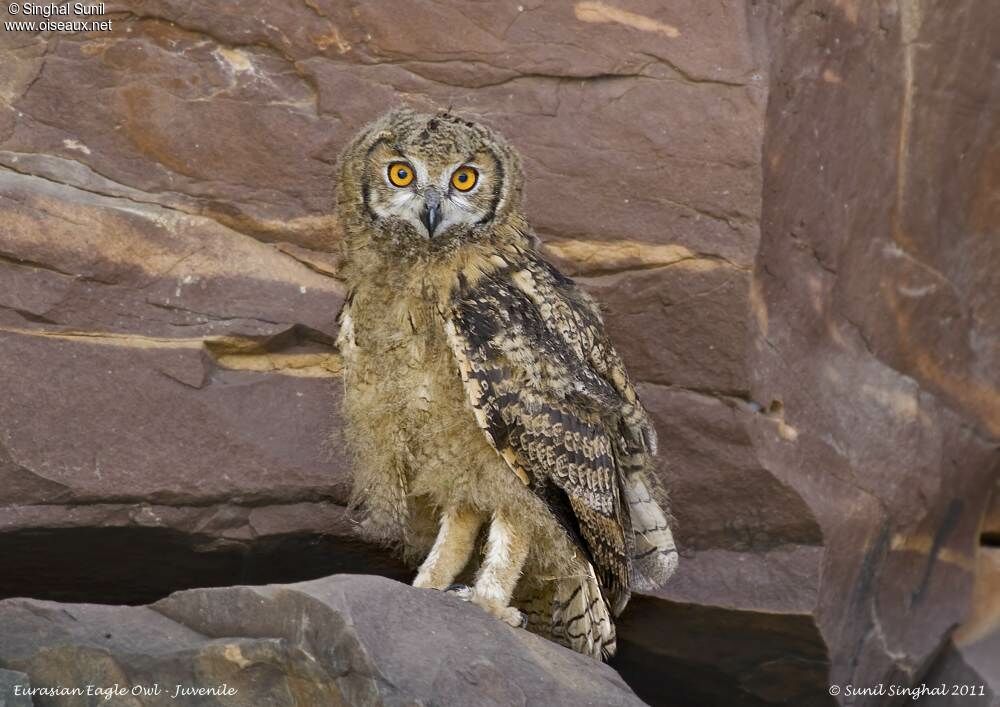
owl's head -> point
(427, 182)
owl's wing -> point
(551, 394)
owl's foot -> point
(508, 614)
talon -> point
(462, 591)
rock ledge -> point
(340, 640)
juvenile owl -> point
(495, 431)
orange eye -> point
(464, 178)
(400, 174)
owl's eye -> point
(464, 178)
(400, 174)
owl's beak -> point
(430, 216)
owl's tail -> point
(654, 558)
(572, 611)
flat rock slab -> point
(340, 640)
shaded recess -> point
(141, 565)
(679, 654)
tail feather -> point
(574, 612)
(655, 556)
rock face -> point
(789, 211)
(873, 328)
(343, 640)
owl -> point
(497, 441)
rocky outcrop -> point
(787, 210)
(343, 640)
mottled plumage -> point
(486, 406)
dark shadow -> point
(141, 565)
(684, 655)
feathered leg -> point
(506, 551)
(452, 548)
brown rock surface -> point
(788, 210)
